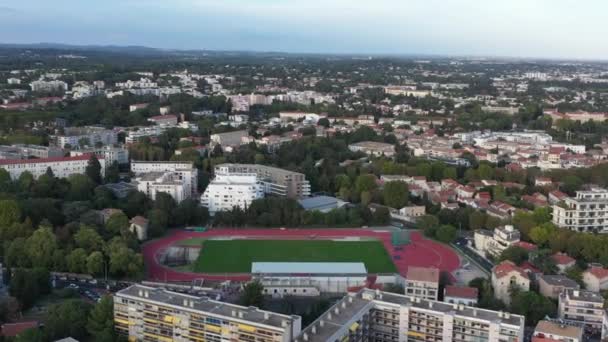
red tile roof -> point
(562, 259)
(598, 272)
(426, 274)
(526, 245)
(46, 160)
(461, 292)
(507, 267)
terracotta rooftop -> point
(505, 268)
(562, 259)
(425, 274)
(14, 329)
(598, 272)
(461, 292)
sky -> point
(575, 29)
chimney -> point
(321, 323)
(475, 312)
(430, 305)
(461, 307)
(329, 316)
(233, 313)
(350, 299)
(337, 311)
(284, 323)
(146, 293)
(266, 315)
(305, 336)
(507, 315)
(191, 303)
(240, 314)
(185, 302)
(141, 293)
(343, 305)
(576, 293)
(314, 329)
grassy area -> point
(236, 256)
(191, 242)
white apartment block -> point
(381, 316)
(23, 151)
(62, 167)
(183, 172)
(278, 182)
(587, 212)
(90, 136)
(144, 313)
(43, 86)
(494, 243)
(422, 282)
(171, 183)
(373, 148)
(110, 153)
(226, 192)
(584, 307)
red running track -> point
(420, 252)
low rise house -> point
(506, 276)
(552, 286)
(596, 278)
(422, 282)
(460, 295)
(139, 226)
(563, 261)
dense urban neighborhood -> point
(159, 195)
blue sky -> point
(519, 28)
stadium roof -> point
(320, 203)
(308, 268)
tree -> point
(87, 238)
(446, 233)
(95, 263)
(427, 222)
(515, 254)
(93, 169)
(323, 122)
(40, 247)
(540, 235)
(81, 188)
(32, 335)
(77, 261)
(9, 213)
(112, 173)
(477, 220)
(571, 184)
(117, 223)
(68, 318)
(395, 194)
(253, 294)
(159, 220)
(101, 321)
(365, 182)
(533, 306)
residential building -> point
(164, 120)
(144, 313)
(275, 181)
(371, 315)
(139, 226)
(460, 295)
(171, 183)
(563, 261)
(494, 243)
(582, 306)
(413, 211)
(422, 282)
(62, 167)
(551, 286)
(506, 276)
(230, 139)
(23, 151)
(556, 331)
(228, 191)
(596, 278)
(74, 137)
(48, 86)
(373, 148)
(184, 172)
(587, 212)
(110, 153)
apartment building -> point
(373, 148)
(278, 182)
(184, 172)
(494, 243)
(507, 275)
(461, 295)
(551, 286)
(62, 167)
(144, 313)
(226, 192)
(171, 183)
(587, 212)
(230, 139)
(110, 153)
(422, 282)
(85, 136)
(555, 331)
(371, 315)
(24, 151)
(584, 307)
(47, 86)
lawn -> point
(236, 256)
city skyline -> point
(539, 29)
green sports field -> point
(236, 256)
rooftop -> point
(45, 160)
(554, 328)
(329, 268)
(425, 274)
(461, 292)
(204, 304)
(559, 280)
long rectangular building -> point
(277, 181)
(62, 167)
(372, 315)
(144, 313)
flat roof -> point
(309, 267)
(204, 304)
(318, 202)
